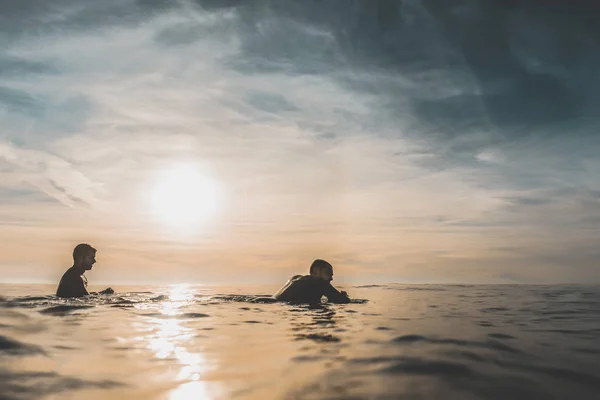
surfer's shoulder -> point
(297, 278)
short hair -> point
(82, 250)
(319, 264)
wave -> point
(318, 337)
(489, 344)
(370, 286)
(14, 347)
(424, 367)
(403, 287)
(21, 385)
(64, 309)
(188, 315)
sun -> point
(184, 197)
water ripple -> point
(14, 347)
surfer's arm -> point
(105, 291)
(281, 292)
(334, 296)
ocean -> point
(397, 342)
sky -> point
(403, 141)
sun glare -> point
(184, 197)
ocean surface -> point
(400, 342)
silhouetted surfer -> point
(310, 288)
(73, 283)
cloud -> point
(536, 61)
(17, 101)
(334, 127)
(491, 156)
(52, 175)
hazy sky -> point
(403, 141)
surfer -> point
(310, 288)
(73, 282)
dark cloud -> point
(20, 101)
(30, 10)
(513, 65)
(269, 102)
(181, 34)
(221, 4)
(453, 68)
(39, 18)
(11, 67)
(20, 18)
(460, 109)
(33, 118)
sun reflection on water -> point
(181, 292)
(171, 340)
(189, 391)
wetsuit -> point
(309, 289)
(72, 284)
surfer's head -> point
(322, 269)
(84, 256)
